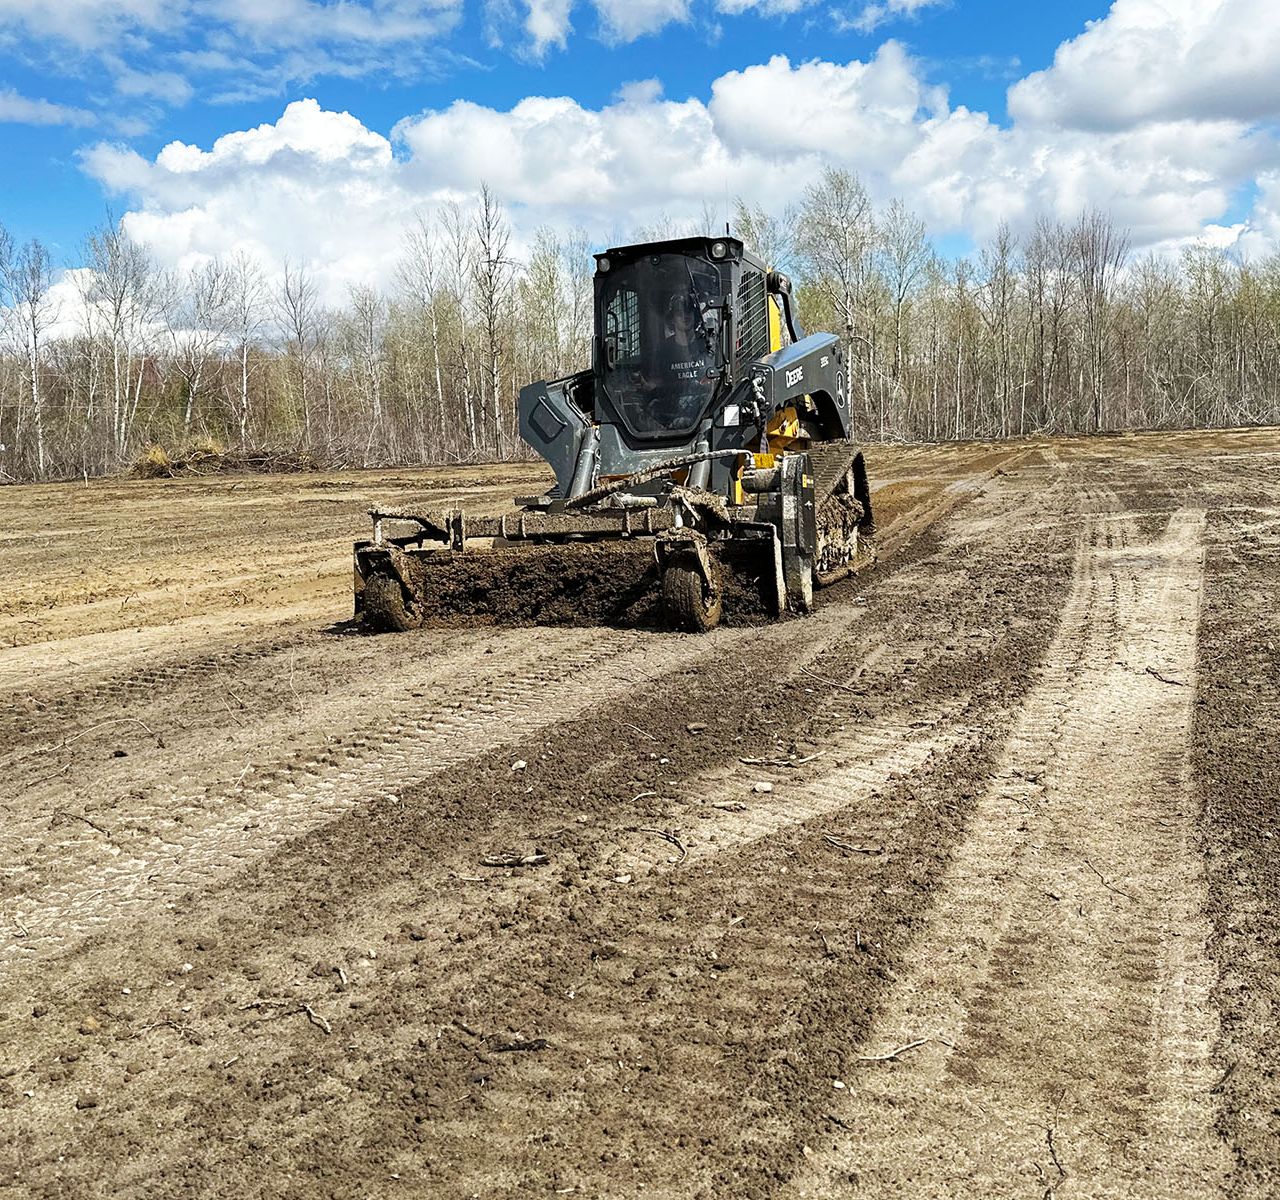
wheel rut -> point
(95, 871)
(1059, 997)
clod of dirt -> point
(88, 1100)
(763, 787)
(90, 1025)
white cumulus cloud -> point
(547, 24)
(1161, 60)
(316, 187)
(320, 187)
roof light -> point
(719, 249)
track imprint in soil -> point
(1058, 997)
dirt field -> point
(1019, 830)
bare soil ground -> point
(1020, 820)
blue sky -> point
(911, 94)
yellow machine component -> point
(785, 427)
(782, 431)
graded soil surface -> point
(962, 886)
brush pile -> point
(207, 458)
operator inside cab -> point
(662, 332)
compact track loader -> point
(703, 468)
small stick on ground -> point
(826, 837)
(104, 724)
(781, 762)
(293, 689)
(189, 1034)
(1053, 1153)
(844, 687)
(58, 812)
(642, 795)
(1164, 679)
(45, 778)
(640, 731)
(234, 715)
(514, 859)
(826, 946)
(226, 683)
(902, 1050)
(1102, 878)
(670, 837)
(318, 1021)
(1222, 1083)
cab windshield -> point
(661, 317)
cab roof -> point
(698, 246)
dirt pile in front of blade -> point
(577, 584)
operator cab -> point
(669, 338)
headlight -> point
(602, 264)
(719, 249)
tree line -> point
(1062, 330)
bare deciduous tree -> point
(297, 309)
(27, 277)
(492, 269)
(246, 305)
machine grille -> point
(753, 318)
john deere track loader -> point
(702, 466)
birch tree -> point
(247, 296)
(297, 310)
(27, 278)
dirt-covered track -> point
(1004, 797)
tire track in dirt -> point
(865, 759)
(1062, 982)
(180, 840)
(166, 840)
